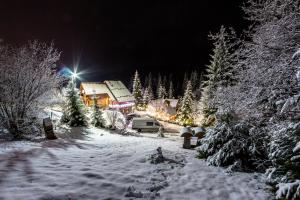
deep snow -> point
(96, 164)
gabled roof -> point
(91, 88)
(116, 90)
(119, 90)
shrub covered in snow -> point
(236, 144)
(97, 118)
(285, 156)
(114, 119)
(28, 77)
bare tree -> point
(28, 74)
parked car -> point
(131, 116)
(145, 124)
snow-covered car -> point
(131, 116)
(145, 124)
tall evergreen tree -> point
(171, 90)
(165, 81)
(194, 80)
(150, 87)
(186, 111)
(146, 98)
(97, 118)
(73, 113)
(162, 93)
(137, 90)
(184, 82)
(158, 86)
(219, 71)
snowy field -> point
(96, 164)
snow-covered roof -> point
(96, 88)
(116, 90)
(173, 102)
(119, 90)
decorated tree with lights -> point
(137, 90)
(74, 108)
(97, 118)
(186, 112)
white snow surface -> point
(96, 164)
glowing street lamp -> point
(74, 75)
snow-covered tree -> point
(74, 108)
(149, 86)
(219, 71)
(184, 82)
(171, 90)
(162, 93)
(137, 90)
(237, 145)
(158, 86)
(97, 115)
(165, 81)
(146, 98)
(185, 113)
(194, 80)
(264, 96)
(28, 78)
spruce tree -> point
(97, 118)
(162, 93)
(184, 82)
(219, 72)
(158, 86)
(194, 80)
(74, 110)
(186, 112)
(146, 98)
(137, 90)
(165, 81)
(149, 86)
(171, 90)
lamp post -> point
(74, 76)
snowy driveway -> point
(101, 165)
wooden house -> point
(108, 94)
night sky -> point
(113, 38)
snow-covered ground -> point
(96, 164)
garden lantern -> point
(186, 133)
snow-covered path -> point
(100, 165)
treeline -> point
(163, 87)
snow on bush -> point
(284, 154)
(237, 145)
(289, 190)
(28, 74)
(114, 119)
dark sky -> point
(113, 38)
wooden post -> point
(187, 142)
(48, 128)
